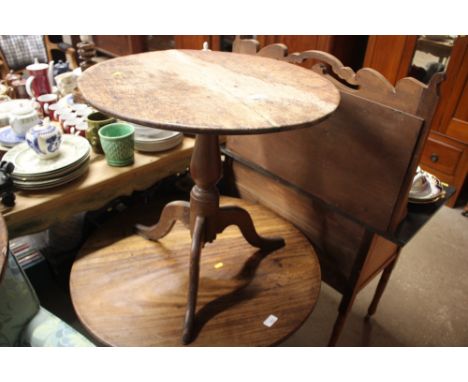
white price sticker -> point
(270, 321)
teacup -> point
(66, 115)
(421, 185)
(79, 129)
(117, 141)
(95, 122)
(45, 100)
(44, 139)
(61, 110)
(52, 110)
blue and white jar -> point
(45, 139)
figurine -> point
(6, 183)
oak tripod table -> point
(208, 94)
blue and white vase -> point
(45, 139)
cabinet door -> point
(451, 116)
(390, 55)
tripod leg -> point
(231, 215)
(178, 210)
(197, 244)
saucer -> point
(8, 138)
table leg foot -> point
(177, 210)
(231, 215)
(197, 244)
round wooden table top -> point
(209, 92)
(3, 245)
(129, 291)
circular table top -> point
(128, 291)
(209, 92)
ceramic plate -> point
(53, 174)
(9, 138)
(419, 201)
(43, 185)
(27, 162)
(158, 146)
(143, 133)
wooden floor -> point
(132, 292)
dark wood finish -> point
(119, 45)
(208, 92)
(199, 228)
(172, 212)
(335, 237)
(381, 286)
(350, 293)
(131, 292)
(366, 187)
(441, 156)
(348, 197)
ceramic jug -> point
(40, 80)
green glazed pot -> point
(117, 140)
(95, 122)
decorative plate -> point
(43, 185)
(148, 134)
(8, 138)
(27, 162)
(158, 146)
(50, 175)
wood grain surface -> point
(37, 210)
(209, 92)
(129, 291)
(355, 161)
